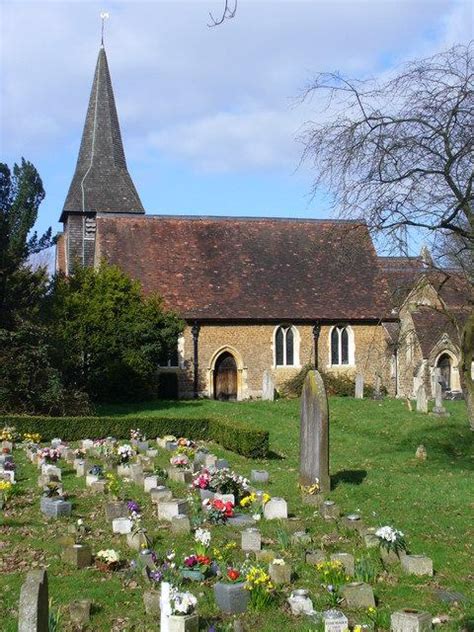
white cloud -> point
(218, 98)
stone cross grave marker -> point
(268, 386)
(359, 386)
(421, 400)
(314, 433)
(33, 612)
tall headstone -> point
(421, 400)
(439, 409)
(314, 433)
(359, 386)
(268, 386)
(33, 612)
(377, 387)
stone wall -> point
(253, 349)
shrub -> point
(238, 438)
(340, 385)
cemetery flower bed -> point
(304, 553)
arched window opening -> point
(341, 342)
(285, 354)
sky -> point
(210, 117)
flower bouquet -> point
(225, 481)
(218, 510)
(49, 455)
(202, 538)
(196, 567)
(125, 453)
(107, 560)
(392, 543)
(202, 480)
(182, 603)
(5, 492)
(31, 438)
(186, 443)
(181, 461)
(254, 503)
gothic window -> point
(285, 346)
(342, 346)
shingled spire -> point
(101, 182)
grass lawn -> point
(373, 470)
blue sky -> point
(209, 117)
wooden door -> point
(225, 377)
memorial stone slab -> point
(222, 464)
(99, 486)
(279, 573)
(251, 540)
(116, 509)
(124, 470)
(358, 595)
(410, 621)
(359, 386)
(122, 525)
(300, 538)
(329, 510)
(150, 482)
(160, 494)
(315, 557)
(439, 409)
(80, 612)
(276, 509)
(55, 507)
(33, 611)
(180, 524)
(335, 621)
(347, 561)
(78, 555)
(417, 565)
(87, 444)
(180, 475)
(421, 400)
(167, 509)
(314, 433)
(240, 520)
(268, 386)
(259, 476)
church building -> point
(257, 294)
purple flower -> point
(133, 506)
(156, 576)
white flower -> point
(389, 534)
(80, 522)
(257, 517)
(278, 561)
(109, 555)
(203, 536)
(182, 603)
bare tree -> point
(228, 12)
(399, 153)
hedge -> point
(239, 438)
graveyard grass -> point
(373, 471)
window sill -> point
(341, 366)
(286, 366)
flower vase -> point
(194, 574)
(231, 598)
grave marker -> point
(421, 400)
(314, 433)
(268, 386)
(359, 386)
(33, 615)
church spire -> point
(101, 182)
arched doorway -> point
(225, 377)
(444, 366)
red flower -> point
(229, 509)
(203, 559)
(233, 574)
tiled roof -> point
(101, 181)
(250, 268)
(430, 325)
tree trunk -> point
(465, 374)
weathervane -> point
(103, 16)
